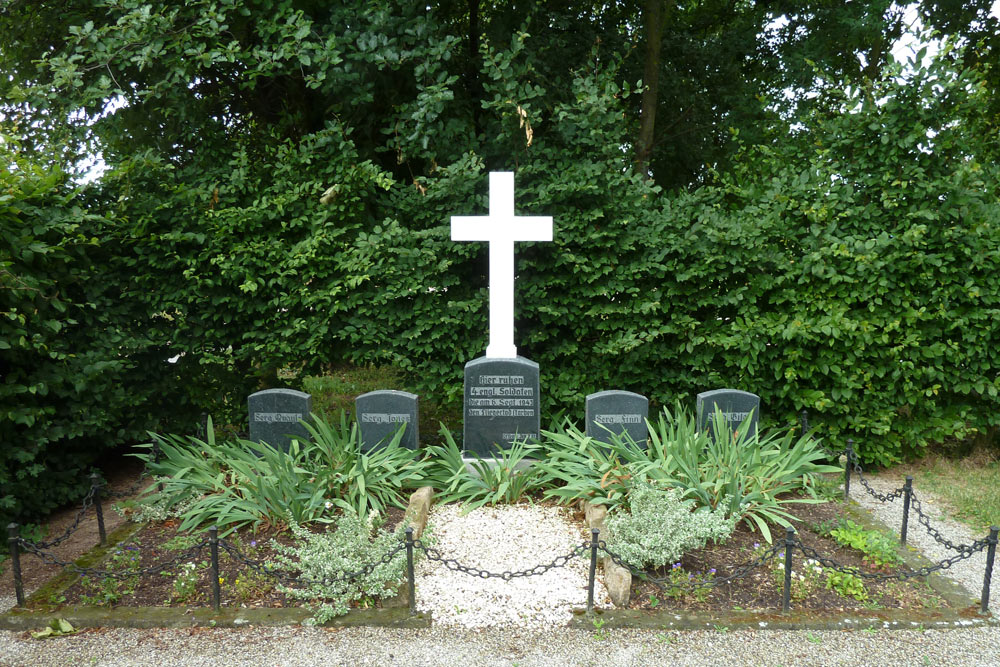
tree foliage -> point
(815, 225)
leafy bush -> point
(352, 545)
(235, 483)
(661, 526)
(506, 479)
(748, 475)
(878, 548)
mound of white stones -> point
(500, 539)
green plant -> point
(846, 585)
(749, 475)
(58, 627)
(122, 579)
(660, 526)
(683, 584)
(599, 633)
(508, 478)
(181, 542)
(806, 579)
(185, 582)
(815, 639)
(232, 484)
(251, 584)
(721, 629)
(745, 475)
(878, 548)
(654, 601)
(323, 560)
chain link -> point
(288, 578)
(925, 521)
(51, 559)
(452, 564)
(665, 584)
(878, 576)
(884, 497)
(88, 500)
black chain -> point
(878, 576)
(88, 500)
(452, 564)
(665, 584)
(288, 578)
(886, 497)
(52, 559)
(936, 534)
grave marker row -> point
(501, 406)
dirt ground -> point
(121, 474)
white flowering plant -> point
(661, 526)
(323, 559)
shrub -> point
(240, 482)
(322, 559)
(506, 479)
(661, 526)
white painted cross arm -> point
(501, 228)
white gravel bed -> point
(968, 572)
(502, 648)
(500, 539)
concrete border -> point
(885, 619)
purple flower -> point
(253, 543)
(712, 571)
(676, 565)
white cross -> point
(501, 228)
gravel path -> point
(449, 643)
(968, 572)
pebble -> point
(507, 538)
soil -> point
(762, 587)
(160, 543)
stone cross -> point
(501, 228)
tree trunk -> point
(653, 24)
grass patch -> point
(969, 486)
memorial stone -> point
(621, 412)
(734, 404)
(275, 415)
(381, 413)
(501, 404)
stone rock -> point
(618, 581)
(595, 515)
(418, 509)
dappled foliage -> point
(280, 175)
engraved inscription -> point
(277, 417)
(384, 418)
(618, 419)
(502, 399)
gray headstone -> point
(380, 413)
(619, 411)
(734, 404)
(275, 416)
(501, 404)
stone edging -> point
(394, 612)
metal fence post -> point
(410, 577)
(95, 482)
(15, 561)
(847, 469)
(593, 569)
(786, 598)
(991, 552)
(213, 545)
(804, 421)
(907, 493)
